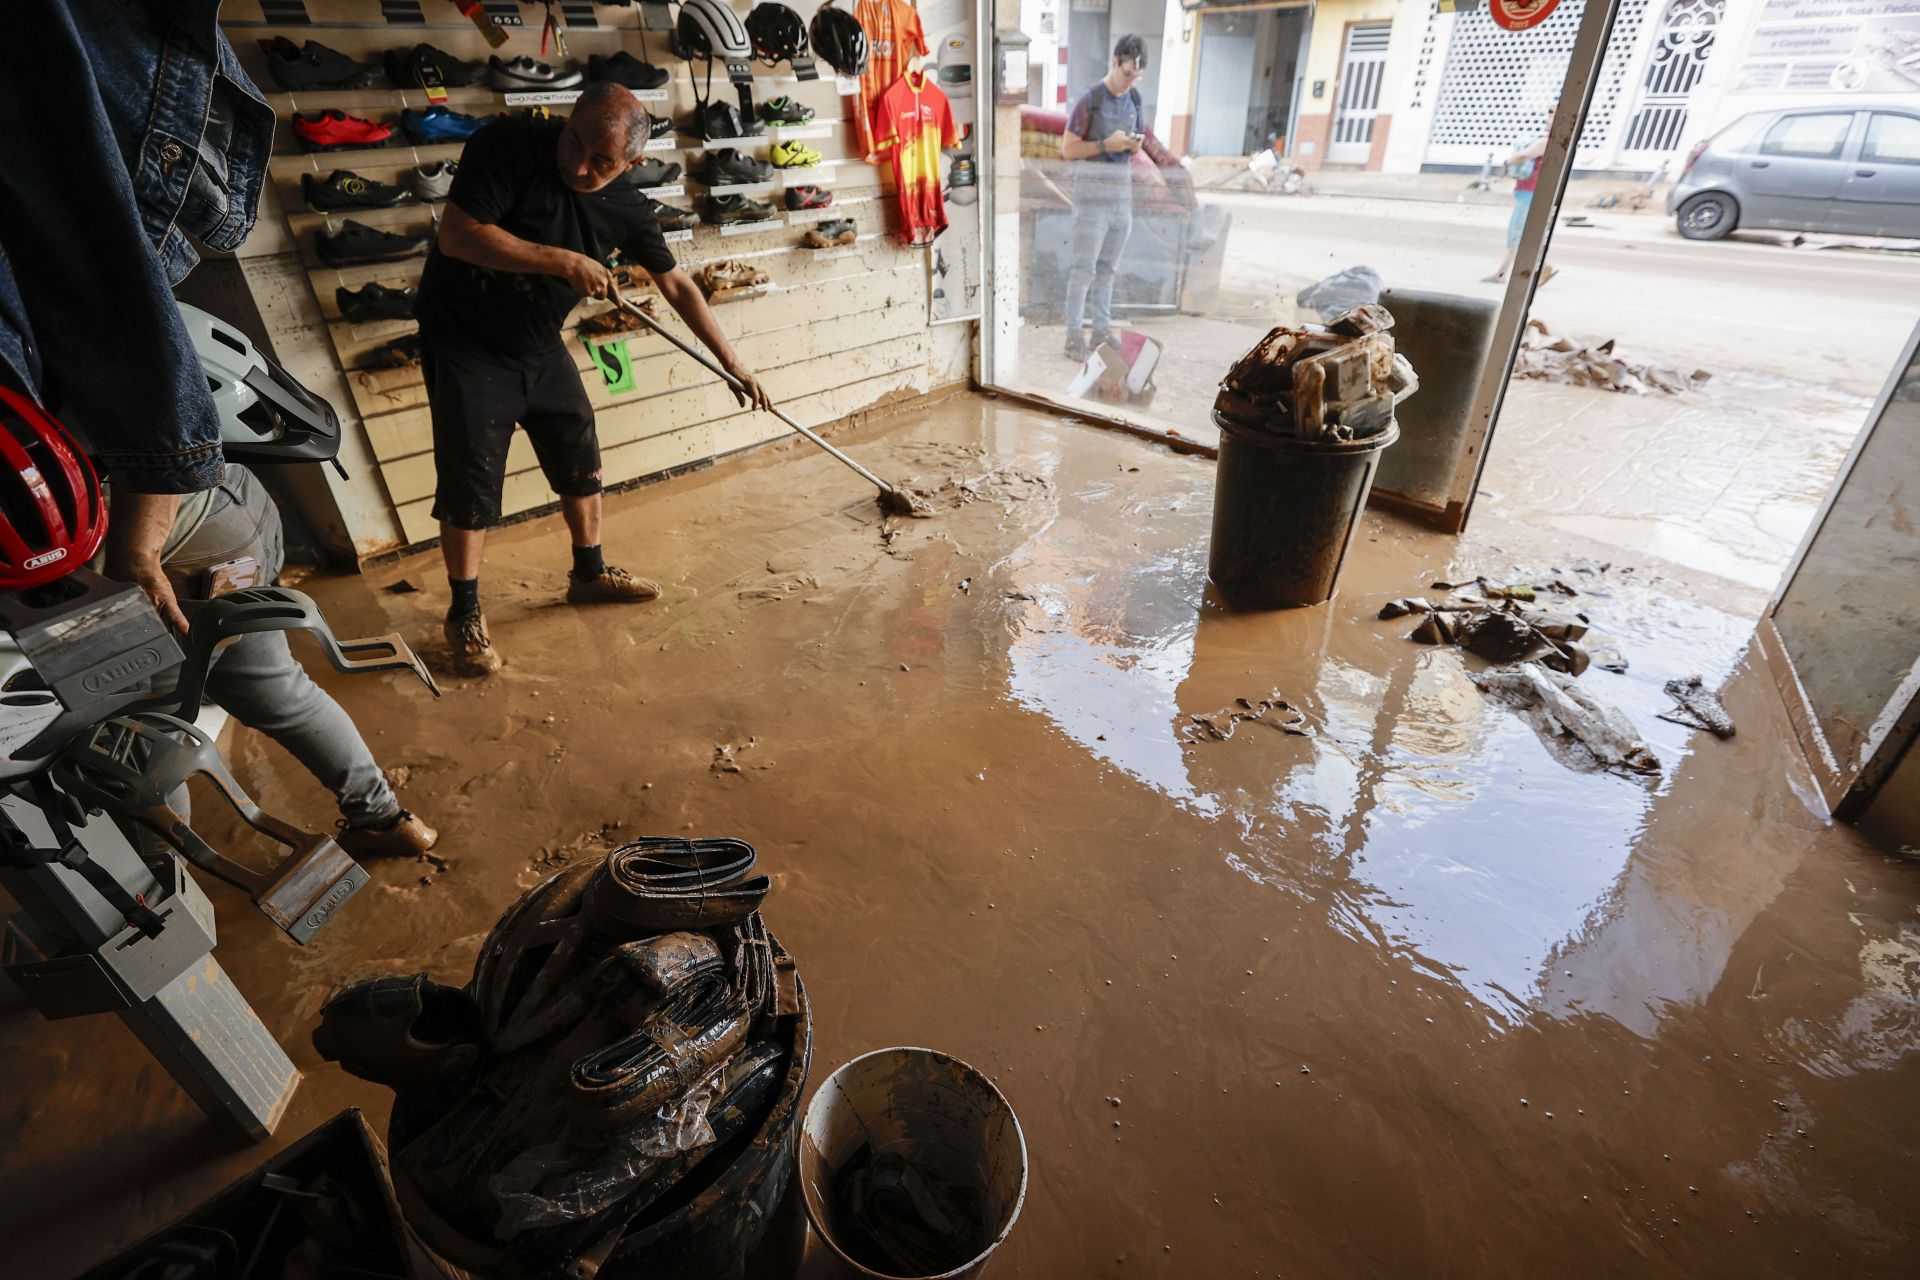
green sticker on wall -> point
(614, 364)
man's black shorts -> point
(477, 401)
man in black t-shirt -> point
(536, 211)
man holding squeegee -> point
(536, 211)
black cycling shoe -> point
(653, 173)
(659, 126)
(672, 219)
(313, 66)
(374, 302)
(411, 68)
(342, 189)
(355, 242)
(624, 68)
(728, 167)
(724, 209)
(720, 120)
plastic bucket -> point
(1284, 512)
(912, 1165)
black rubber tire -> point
(1709, 215)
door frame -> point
(1340, 87)
(1846, 788)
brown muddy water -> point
(1374, 985)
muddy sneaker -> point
(374, 302)
(611, 586)
(1076, 347)
(406, 836)
(469, 645)
(830, 233)
(672, 219)
(730, 274)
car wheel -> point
(1708, 216)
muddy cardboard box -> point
(322, 1206)
(1119, 371)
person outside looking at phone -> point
(1104, 131)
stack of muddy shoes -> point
(631, 1037)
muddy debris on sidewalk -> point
(1551, 358)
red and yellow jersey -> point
(894, 36)
(911, 122)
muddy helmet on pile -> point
(778, 35)
(265, 414)
(709, 29)
(52, 517)
(839, 40)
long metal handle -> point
(735, 383)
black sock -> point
(466, 597)
(588, 563)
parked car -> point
(1851, 170)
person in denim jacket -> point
(133, 134)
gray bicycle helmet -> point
(709, 29)
(265, 416)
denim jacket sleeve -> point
(131, 127)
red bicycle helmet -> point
(52, 517)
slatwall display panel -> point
(856, 314)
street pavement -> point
(1721, 481)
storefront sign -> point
(1519, 15)
(1833, 46)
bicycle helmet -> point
(779, 36)
(839, 40)
(708, 29)
(51, 513)
(265, 416)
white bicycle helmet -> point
(265, 416)
(27, 707)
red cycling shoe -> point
(336, 130)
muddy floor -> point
(1381, 983)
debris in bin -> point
(1575, 724)
(1699, 707)
(1341, 292)
(1337, 384)
(626, 1019)
(1555, 359)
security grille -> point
(1675, 65)
(1496, 83)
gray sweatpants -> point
(256, 678)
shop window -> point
(1818, 137)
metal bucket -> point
(912, 1165)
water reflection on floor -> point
(1431, 821)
